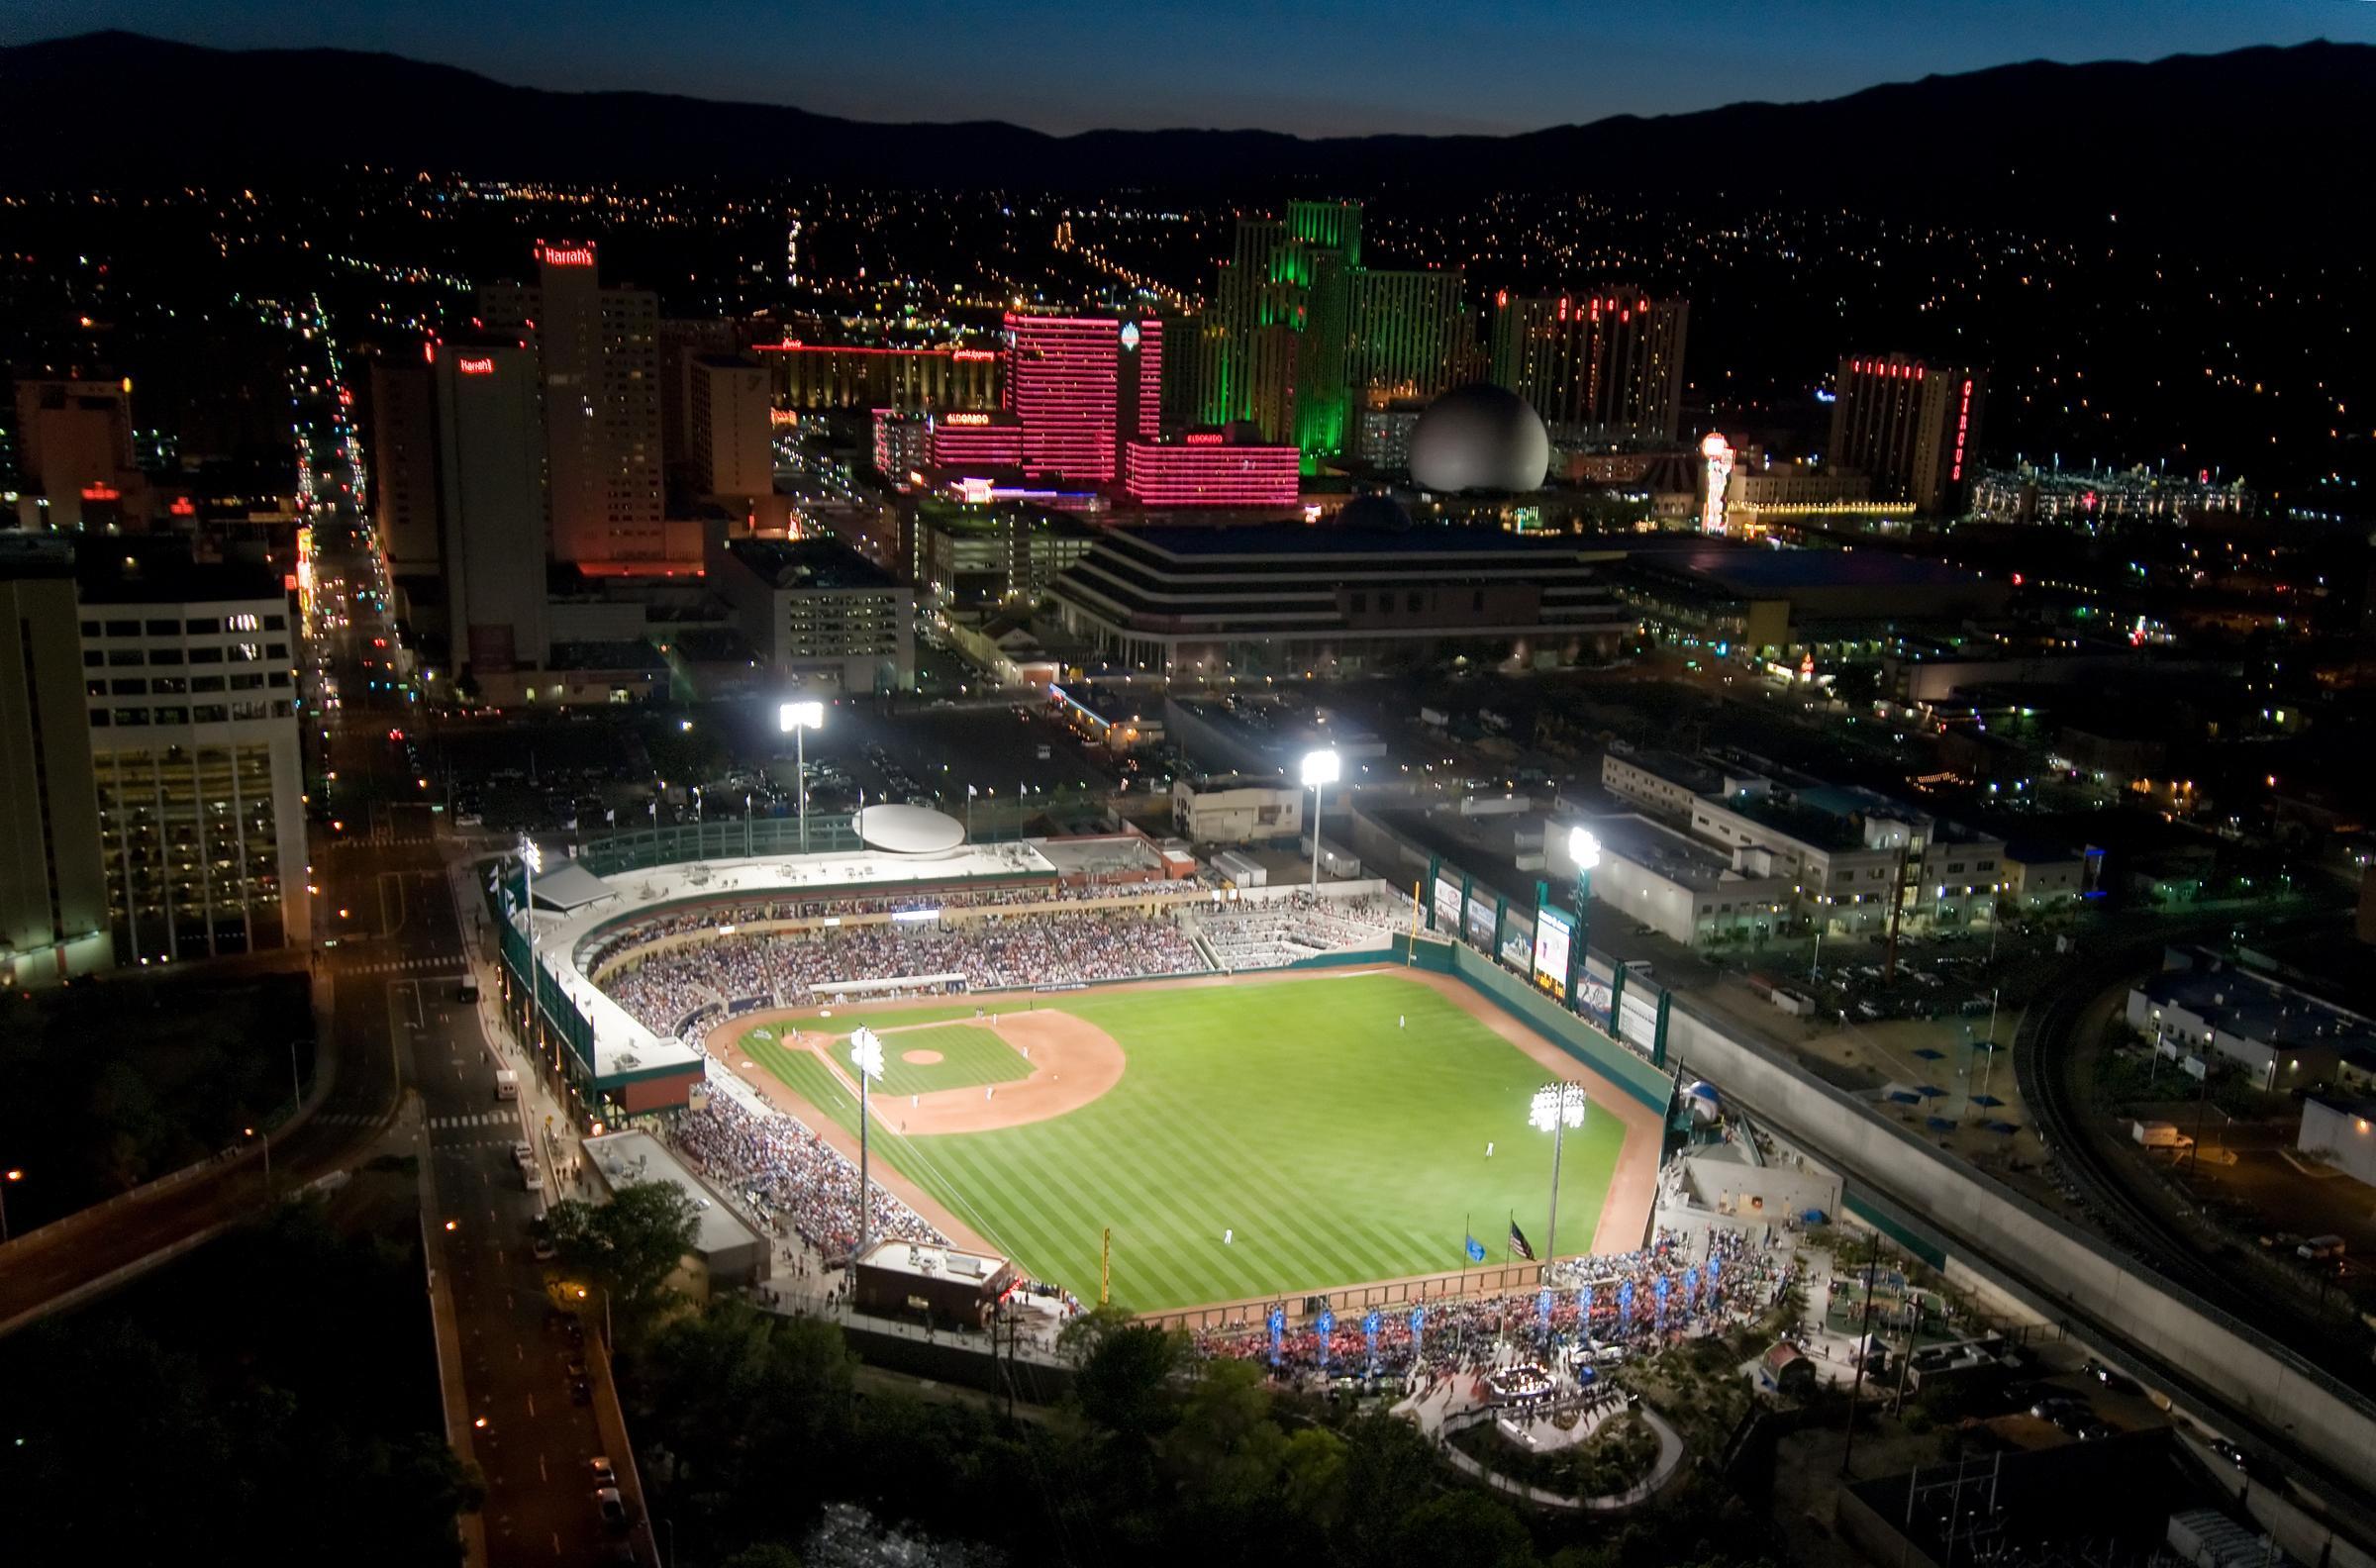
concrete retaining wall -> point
(2059, 1270)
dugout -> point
(928, 1284)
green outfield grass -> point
(972, 1056)
(1339, 1147)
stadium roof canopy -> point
(569, 886)
(909, 830)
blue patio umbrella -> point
(1905, 1097)
(1927, 1055)
(1940, 1125)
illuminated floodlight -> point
(1583, 847)
(800, 716)
(1322, 767)
(1557, 1107)
(531, 852)
(866, 1053)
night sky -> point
(1312, 66)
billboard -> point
(1480, 923)
(1638, 1027)
(1448, 905)
(1518, 943)
(1553, 931)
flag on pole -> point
(1517, 1241)
(1474, 1251)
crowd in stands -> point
(1457, 1336)
(993, 954)
(791, 1177)
(627, 937)
(1271, 933)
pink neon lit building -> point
(1081, 386)
(976, 442)
(1201, 469)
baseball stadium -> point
(1115, 1075)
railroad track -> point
(2094, 1176)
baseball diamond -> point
(1238, 1137)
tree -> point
(1461, 1529)
(1124, 1384)
(629, 1245)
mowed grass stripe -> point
(1338, 1125)
(972, 1056)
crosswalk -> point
(483, 1119)
(349, 1119)
(402, 966)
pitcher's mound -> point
(919, 1058)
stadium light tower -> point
(865, 1054)
(1320, 769)
(532, 861)
(800, 717)
(1556, 1108)
(1584, 848)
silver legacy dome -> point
(1480, 438)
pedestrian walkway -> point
(483, 1119)
(407, 966)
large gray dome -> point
(1480, 438)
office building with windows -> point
(817, 612)
(189, 675)
(1281, 599)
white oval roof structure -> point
(1480, 437)
(909, 831)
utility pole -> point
(1864, 1335)
(1914, 1329)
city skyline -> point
(1050, 66)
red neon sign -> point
(1205, 438)
(964, 419)
(181, 506)
(100, 492)
(479, 366)
(575, 255)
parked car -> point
(607, 1503)
(606, 1474)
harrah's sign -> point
(575, 255)
(469, 367)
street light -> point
(1320, 769)
(10, 1175)
(1556, 1108)
(800, 717)
(865, 1054)
(1584, 848)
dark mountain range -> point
(2239, 149)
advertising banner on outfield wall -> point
(1518, 943)
(1480, 923)
(1448, 905)
(1553, 931)
(1638, 1027)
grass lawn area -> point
(970, 1056)
(1337, 1146)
